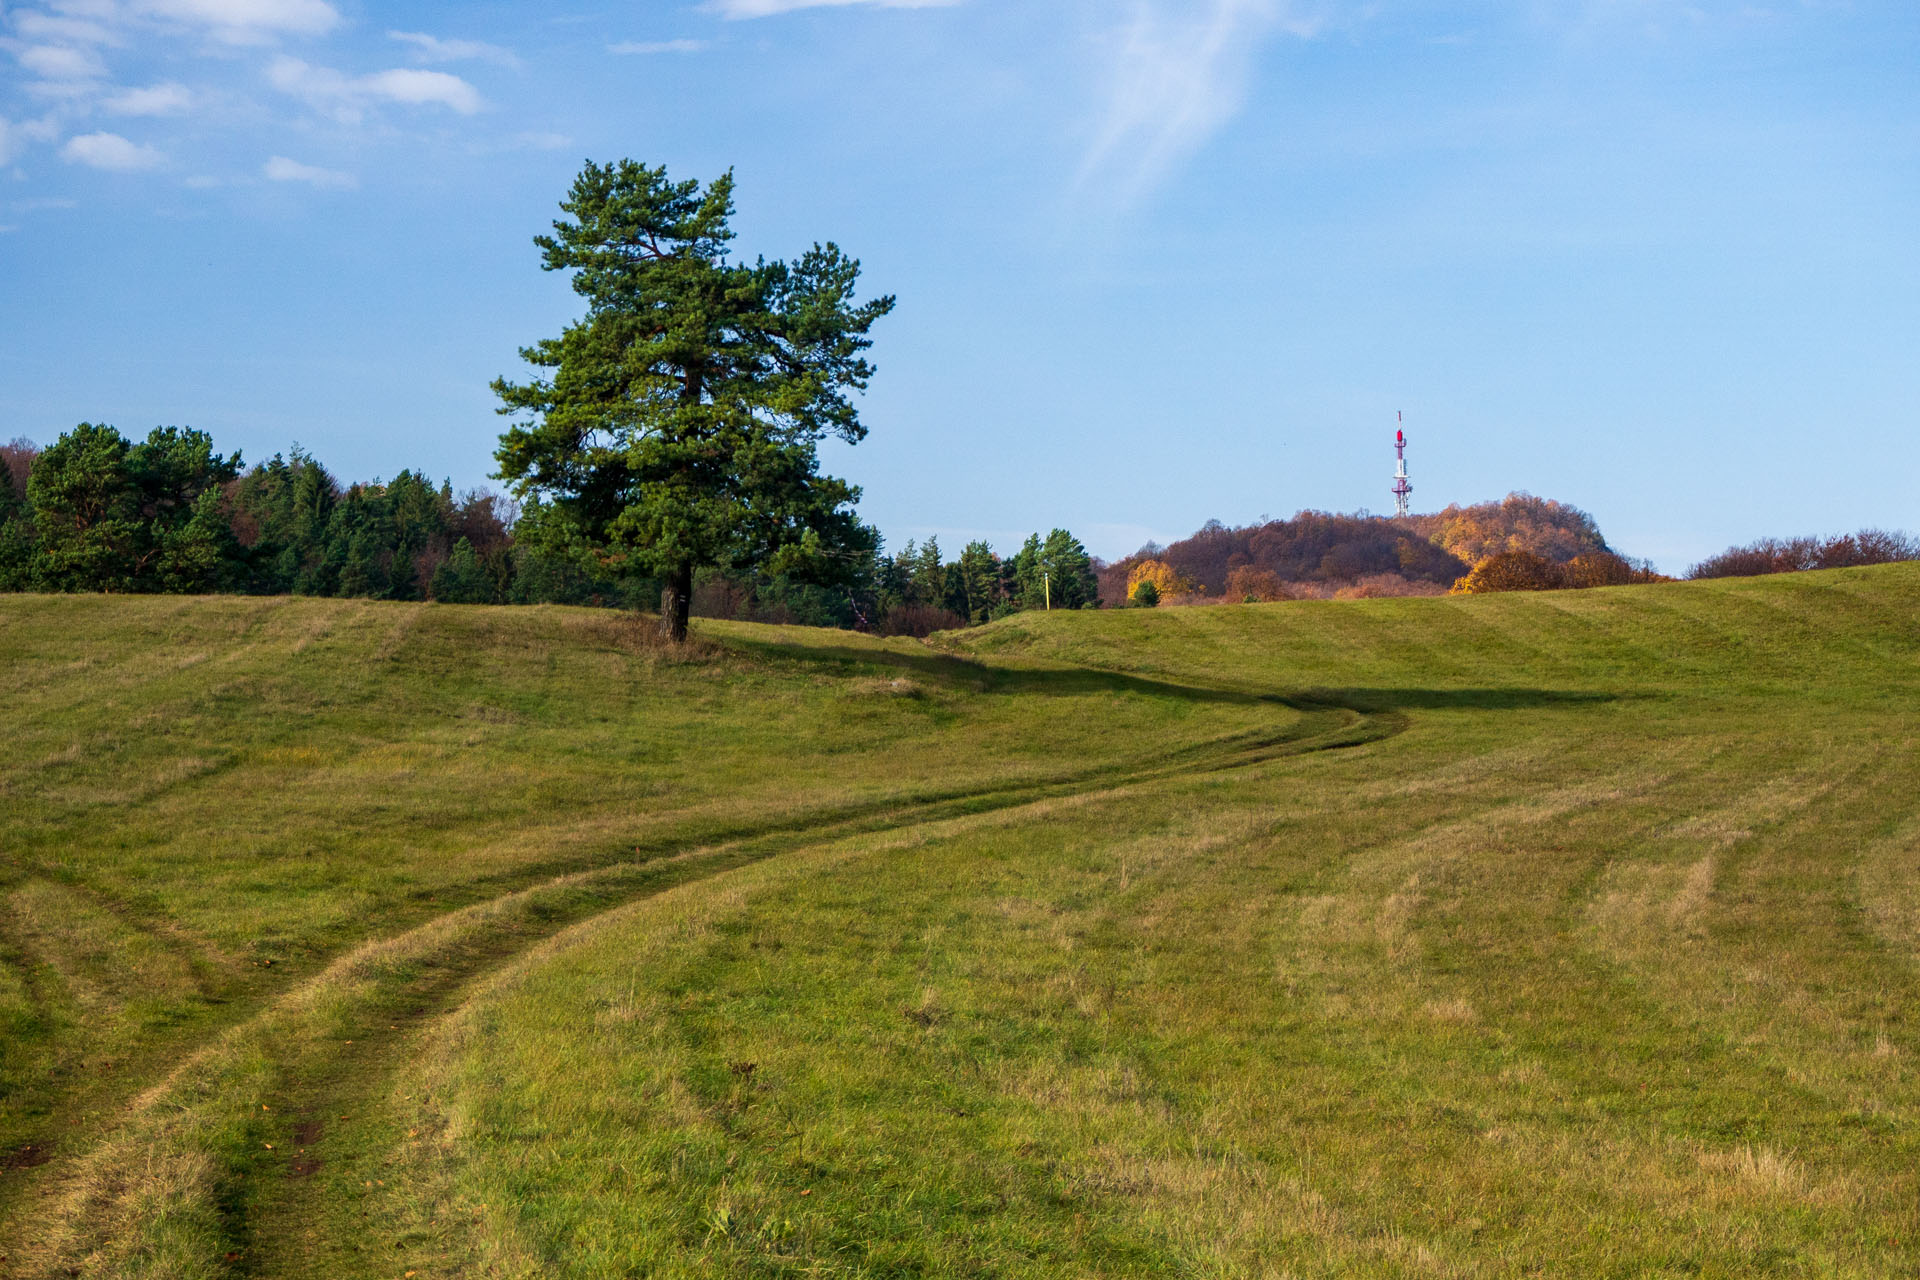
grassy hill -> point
(1556, 934)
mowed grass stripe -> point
(1420, 1063)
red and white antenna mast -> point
(1401, 489)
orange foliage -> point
(1552, 530)
(1167, 583)
(1247, 583)
(1524, 571)
(1512, 571)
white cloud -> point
(657, 46)
(247, 21)
(281, 169)
(345, 96)
(1174, 82)
(34, 25)
(110, 151)
(155, 100)
(768, 8)
(433, 49)
(61, 63)
(63, 90)
(15, 135)
(421, 88)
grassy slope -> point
(1596, 956)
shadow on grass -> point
(954, 672)
(1517, 699)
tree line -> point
(98, 512)
(1796, 555)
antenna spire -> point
(1402, 490)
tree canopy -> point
(112, 515)
(677, 423)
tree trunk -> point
(676, 598)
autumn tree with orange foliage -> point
(1512, 571)
(1164, 579)
(1555, 531)
(1252, 585)
(1605, 569)
(1524, 571)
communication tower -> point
(1401, 489)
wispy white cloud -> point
(657, 46)
(246, 21)
(110, 22)
(167, 99)
(61, 63)
(111, 152)
(32, 24)
(15, 135)
(1175, 79)
(769, 8)
(281, 169)
(428, 48)
(345, 97)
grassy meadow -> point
(1560, 934)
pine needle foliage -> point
(676, 423)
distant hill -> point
(1318, 553)
(1517, 522)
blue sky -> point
(1156, 262)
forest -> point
(97, 512)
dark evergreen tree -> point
(87, 509)
(928, 574)
(973, 589)
(679, 426)
(18, 544)
(115, 516)
(1054, 573)
(1026, 584)
(461, 579)
(1068, 570)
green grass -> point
(1558, 934)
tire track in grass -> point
(97, 1069)
(185, 1184)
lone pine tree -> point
(679, 425)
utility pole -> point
(1046, 586)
